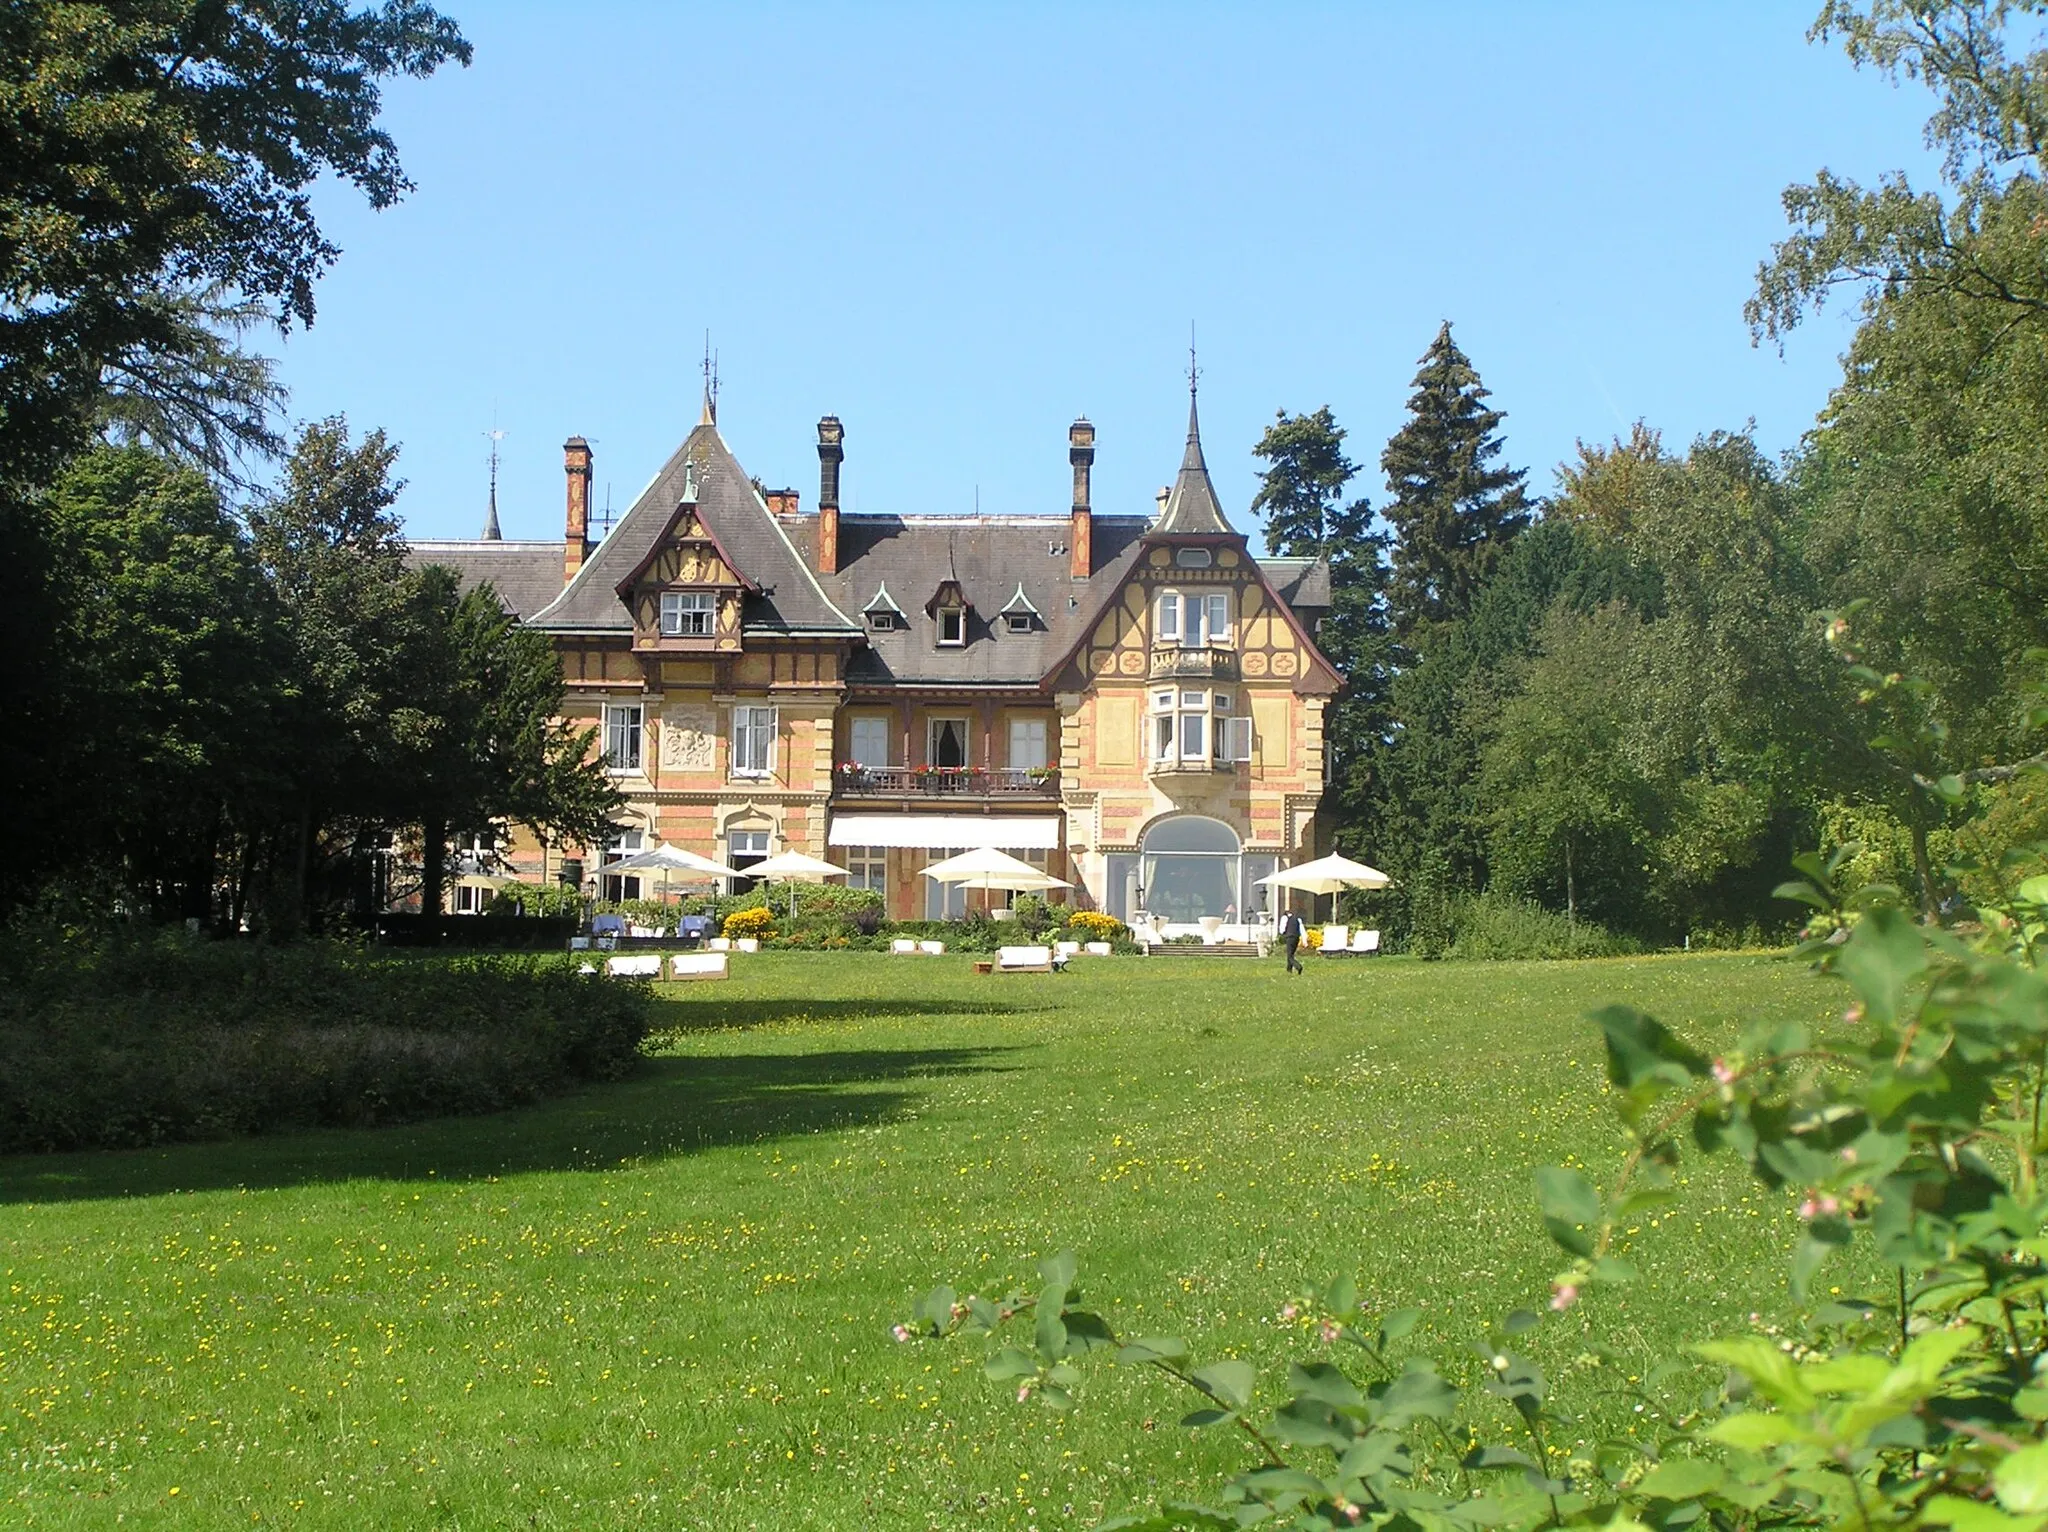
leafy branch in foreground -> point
(1915, 1128)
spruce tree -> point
(1454, 509)
(1298, 492)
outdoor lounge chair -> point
(904, 946)
(1066, 949)
(932, 949)
(699, 965)
(1024, 960)
(1336, 940)
(636, 966)
(1364, 943)
(1096, 949)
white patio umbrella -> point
(673, 863)
(1327, 875)
(987, 868)
(794, 867)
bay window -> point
(1192, 620)
(687, 613)
(1194, 729)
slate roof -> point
(789, 598)
(1191, 507)
(990, 557)
(526, 575)
(1303, 584)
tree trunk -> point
(1571, 891)
(1923, 871)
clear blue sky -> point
(957, 227)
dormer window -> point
(1019, 615)
(1017, 622)
(688, 613)
(882, 622)
(948, 612)
(952, 625)
(1192, 558)
(882, 612)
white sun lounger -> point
(700, 965)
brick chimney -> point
(1081, 541)
(781, 502)
(831, 453)
(576, 535)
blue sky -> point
(957, 227)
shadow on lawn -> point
(689, 1013)
(672, 1106)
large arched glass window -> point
(1190, 868)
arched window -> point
(1191, 832)
(1190, 868)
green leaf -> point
(1753, 1432)
(1772, 1373)
(1010, 1363)
(1398, 1324)
(1152, 1348)
(1610, 1268)
(1885, 953)
(1341, 1296)
(1973, 1516)
(1571, 1208)
(1519, 1320)
(935, 1308)
(1311, 1423)
(1058, 1270)
(1381, 1451)
(1417, 1393)
(1496, 1457)
(1086, 1332)
(1321, 1380)
(1681, 1479)
(1228, 1381)
(2021, 1481)
(1051, 1335)
(1200, 1418)
(1641, 1048)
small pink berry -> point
(1023, 1392)
(901, 1332)
(1723, 1073)
(1566, 1294)
(1288, 1311)
(1329, 1331)
(1854, 1014)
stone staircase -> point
(1191, 950)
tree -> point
(158, 146)
(1301, 496)
(1452, 510)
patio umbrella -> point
(684, 866)
(987, 868)
(1327, 875)
(795, 867)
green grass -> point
(667, 1303)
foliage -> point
(1916, 1132)
(1453, 510)
(756, 921)
(1496, 927)
(536, 899)
(1095, 926)
(158, 147)
(150, 1040)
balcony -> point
(1172, 662)
(946, 782)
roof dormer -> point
(882, 613)
(1019, 615)
(948, 609)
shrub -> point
(756, 920)
(1496, 927)
(1033, 915)
(536, 899)
(1094, 926)
(147, 1041)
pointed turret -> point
(1191, 507)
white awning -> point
(937, 832)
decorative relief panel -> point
(689, 737)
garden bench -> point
(1024, 960)
(634, 967)
(699, 965)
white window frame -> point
(1166, 618)
(625, 738)
(469, 899)
(1193, 558)
(1198, 728)
(943, 901)
(872, 727)
(932, 726)
(1017, 622)
(882, 621)
(629, 841)
(753, 740)
(1215, 624)
(956, 617)
(688, 613)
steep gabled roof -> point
(1019, 603)
(1191, 508)
(526, 575)
(786, 597)
(881, 601)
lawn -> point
(667, 1303)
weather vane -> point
(1194, 372)
(491, 532)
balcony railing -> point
(1172, 663)
(943, 781)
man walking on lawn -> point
(1290, 938)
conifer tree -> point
(1453, 508)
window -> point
(882, 622)
(1192, 558)
(946, 742)
(1196, 729)
(687, 613)
(1027, 744)
(870, 743)
(743, 848)
(868, 867)
(470, 899)
(1193, 620)
(624, 843)
(1017, 622)
(952, 625)
(943, 901)
(624, 723)
(753, 741)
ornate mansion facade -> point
(1134, 703)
